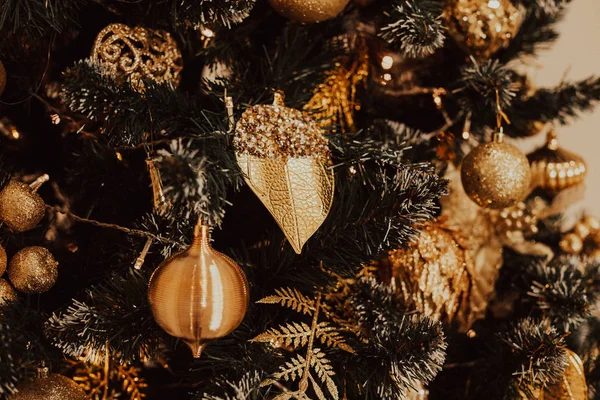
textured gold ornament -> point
(21, 208)
(3, 260)
(49, 387)
(138, 53)
(434, 274)
(33, 270)
(198, 295)
(7, 293)
(554, 168)
(572, 385)
(482, 27)
(308, 11)
(285, 160)
(3, 78)
(496, 174)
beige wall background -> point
(575, 55)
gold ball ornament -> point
(198, 295)
(7, 293)
(571, 243)
(555, 169)
(49, 387)
(572, 385)
(482, 27)
(309, 11)
(2, 78)
(496, 174)
(21, 208)
(33, 270)
(3, 260)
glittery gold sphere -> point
(7, 293)
(496, 175)
(308, 11)
(21, 208)
(571, 243)
(198, 295)
(54, 387)
(33, 270)
(3, 260)
(2, 78)
(482, 27)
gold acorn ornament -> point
(49, 387)
(572, 385)
(198, 295)
(482, 27)
(7, 293)
(496, 174)
(33, 270)
(285, 160)
(309, 11)
(21, 208)
(555, 169)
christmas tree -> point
(290, 199)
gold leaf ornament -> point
(285, 160)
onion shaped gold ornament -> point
(33, 270)
(49, 387)
(482, 27)
(21, 208)
(309, 11)
(198, 295)
(555, 169)
(138, 53)
(496, 174)
(7, 293)
(286, 162)
(572, 385)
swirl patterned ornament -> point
(138, 53)
(198, 295)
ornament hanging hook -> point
(500, 116)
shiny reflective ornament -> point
(137, 53)
(496, 174)
(21, 208)
(33, 270)
(49, 387)
(7, 293)
(482, 27)
(3, 78)
(286, 162)
(555, 169)
(198, 295)
(3, 260)
(308, 11)
(571, 243)
(572, 385)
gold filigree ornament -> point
(286, 162)
(138, 53)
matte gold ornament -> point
(309, 11)
(21, 208)
(482, 27)
(49, 387)
(7, 293)
(572, 385)
(496, 174)
(3, 260)
(2, 78)
(33, 270)
(434, 275)
(198, 295)
(285, 160)
(138, 53)
(555, 169)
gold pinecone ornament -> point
(496, 174)
(49, 387)
(482, 27)
(21, 208)
(309, 11)
(33, 270)
(286, 162)
(555, 169)
(198, 295)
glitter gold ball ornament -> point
(434, 274)
(572, 385)
(3, 260)
(198, 295)
(138, 53)
(496, 174)
(286, 162)
(49, 387)
(482, 27)
(555, 169)
(308, 11)
(21, 208)
(33, 270)
(2, 78)
(7, 293)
